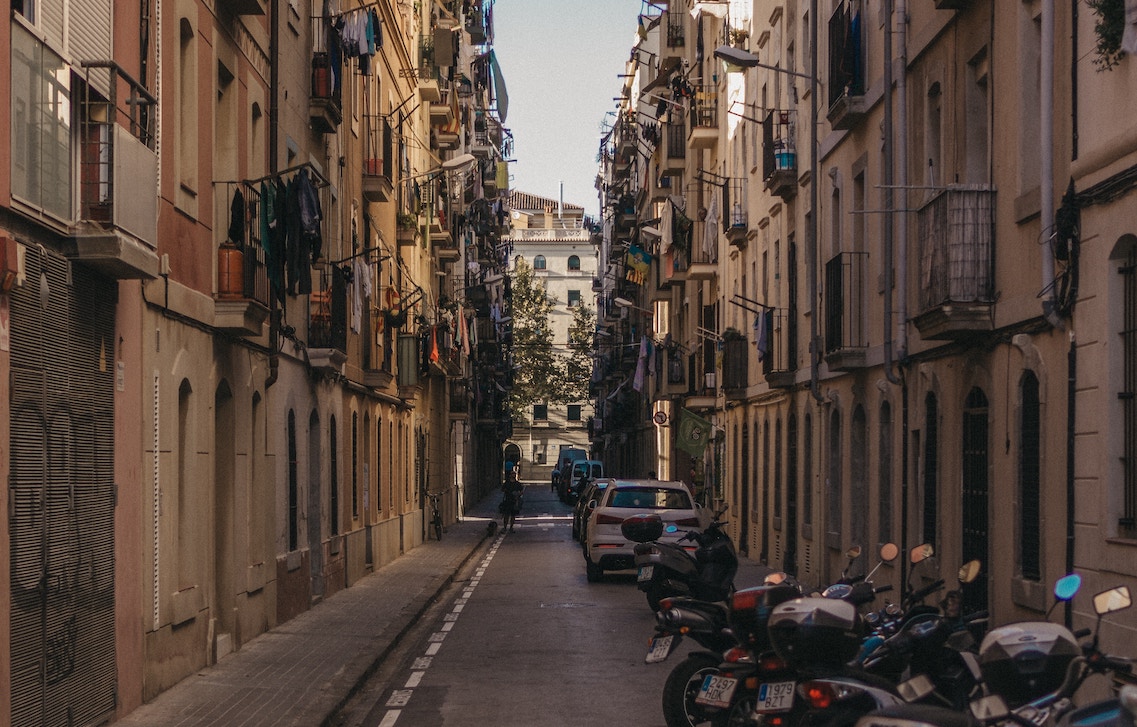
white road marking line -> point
(448, 625)
(416, 677)
(390, 718)
(437, 636)
(400, 697)
(433, 648)
(423, 662)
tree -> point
(578, 364)
(539, 376)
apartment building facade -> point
(869, 229)
(245, 246)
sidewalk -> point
(305, 669)
(302, 671)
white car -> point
(606, 548)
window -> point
(833, 490)
(1030, 515)
(859, 477)
(540, 412)
(574, 412)
(41, 126)
(807, 471)
(355, 464)
(933, 139)
(539, 262)
(573, 298)
(573, 263)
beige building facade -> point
(900, 327)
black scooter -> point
(704, 570)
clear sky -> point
(561, 62)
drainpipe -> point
(888, 194)
(902, 180)
(811, 232)
(1046, 142)
(273, 142)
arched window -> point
(884, 532)
(539, 262)
(573, 262)
(931, 467)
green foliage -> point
(578, 365)
(539, 377)
(1109, 27)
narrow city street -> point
(521, 638)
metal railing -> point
(845, 301)
(957, 235)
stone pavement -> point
(304, 670)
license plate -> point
(716, 691)
(775, 697)
(645, 573)
(659, 649)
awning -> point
(499, 88)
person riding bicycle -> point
(513, 490)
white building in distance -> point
(556, 241)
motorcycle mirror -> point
(853, 553)
(921, 553)
(889, 551)
(969, 571)
(1115, 599)
(1067, 586)
(989, 709)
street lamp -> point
(454, 164)
(625, 303)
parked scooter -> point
(707, 624)
(704, 570)
(1030, 671)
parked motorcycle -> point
(704, 570)
(1030, 671)
(707, 624)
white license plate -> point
(645, 573)
(659, 649)
(716, 691)
(775, 697)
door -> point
(61, 490)
(975, 494)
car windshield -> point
(653, 498)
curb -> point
(408, 623)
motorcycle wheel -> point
(740, 713)
(681, 687)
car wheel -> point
(575, 530)
(592, 571)
(681, 688)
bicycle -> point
(435, 517)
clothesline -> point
(319, 178)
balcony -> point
(241, 305)
(735, 219)
(777, 347)
(704, 117)
(779, 157)
(957, 230)
(459, 399)
(675, 143)
(847, 104)
(117, 231)
(442, 111)
(327, 326)
(324, 109)
(674, 33)
(702, 263)
(735, 367)
(845, 337)
(378, 159)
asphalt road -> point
(521, 638)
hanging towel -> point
(237, 219)
(761, 342)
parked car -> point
(583, 471)
(581, 510)
(565, 458)
(606, 548)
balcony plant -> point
(1109, 27)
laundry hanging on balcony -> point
(291, 220)
(358, 34)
